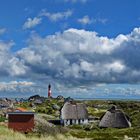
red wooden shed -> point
(21, 121)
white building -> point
(72, 113)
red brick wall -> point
(21, 122)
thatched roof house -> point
(60, 98)
(114, 118)
(72, 113)
(5, 103)
(36, 97)
(68, 99)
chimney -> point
(49, 91)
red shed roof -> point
(21, 109)
(21, 113)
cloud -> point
(79, 57)
(30, 23)
(85, 20)
(74, 1)
(10, 65)
(56, 16)
(74, 58)
(15, 83)
(2, 31)
(18, 88)
(100, 20)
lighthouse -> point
(49, 91)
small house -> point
(114, 118)
(21, 121)
(20, 109)
(38, 102)
(73, 113)
(60, 98)
(68, 99)
(4, 104)
(36, 97)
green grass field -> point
(6, 134)
(91, 131)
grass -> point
(131, 108)
(94, 112)
(2, 119)
(91, 131)
(109, 134)
(6, 134)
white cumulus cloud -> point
(30, 23)
(82, 56)
(56, 16)
(85, 20)
(10, 65)
(100, 20)
(74, 1)
(2, 31)
(74, 58)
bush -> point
(44, 128)
(76, 126)
(2, 119)
(6, 134)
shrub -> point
(2, 119)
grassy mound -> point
(6, 134)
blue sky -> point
(120, 16)
(81, 42)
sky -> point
(84, 48)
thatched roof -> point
(74, 111)
(114, 118)
(60, 97)
(4, 103)
(69, 99)
(36, 97)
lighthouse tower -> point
(49, 91)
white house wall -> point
(67, 122)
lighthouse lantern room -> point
(49, 91)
